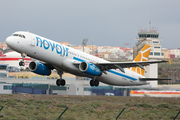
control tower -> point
(150, 37)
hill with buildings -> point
(170, 71)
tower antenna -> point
(149, 26)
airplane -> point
(66, 59)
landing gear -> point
(21, 63)
(60, 81)
(94, 83)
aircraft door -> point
(132, 80)
(32, 43)
(32, 38)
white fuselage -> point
(63, 58)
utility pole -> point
(92, 47)
(83, 44)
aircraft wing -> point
(121, 65)
(153, 79)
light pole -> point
(83, 44)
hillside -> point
(172, 71)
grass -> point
(49, 107)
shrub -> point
(11, 102)
(3, 100)
(17, 100)
(144, 105)
(62, 105)
(68, 118)
(129, 104)
(27, 102)
(47, 102)
(1, 115)
(164, 105)
(96, 104)
(41, 117)
(39, 102)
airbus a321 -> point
(54, 55)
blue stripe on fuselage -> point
(122, 75)
(78, 59)
(111, 71)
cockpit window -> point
(22, 36)
(15, 34)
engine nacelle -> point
(90, 68)
(39, 68)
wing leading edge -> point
(121, 65)
(153, 79)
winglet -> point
(170, 61)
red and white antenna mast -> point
(149, 26)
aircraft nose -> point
(9, 41)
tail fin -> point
(142, 56)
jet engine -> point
(39, 68)
(90, 68)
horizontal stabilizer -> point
(153, 79)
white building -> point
(5, 88)
(103, 49)
(175, 52)
(151, 71)
(86, 49)
(74, 89)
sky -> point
(105, 22)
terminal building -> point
(5, 88)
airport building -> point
(3, 70)
(5, 88)
(150, 37)
(69, 89)
(74, 85)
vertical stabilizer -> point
(143, 55)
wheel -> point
(63, 82)
(96, 83)
(58, 82)
(21, 63)
(91, 82)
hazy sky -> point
(108, 22)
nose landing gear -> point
(21, 63)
